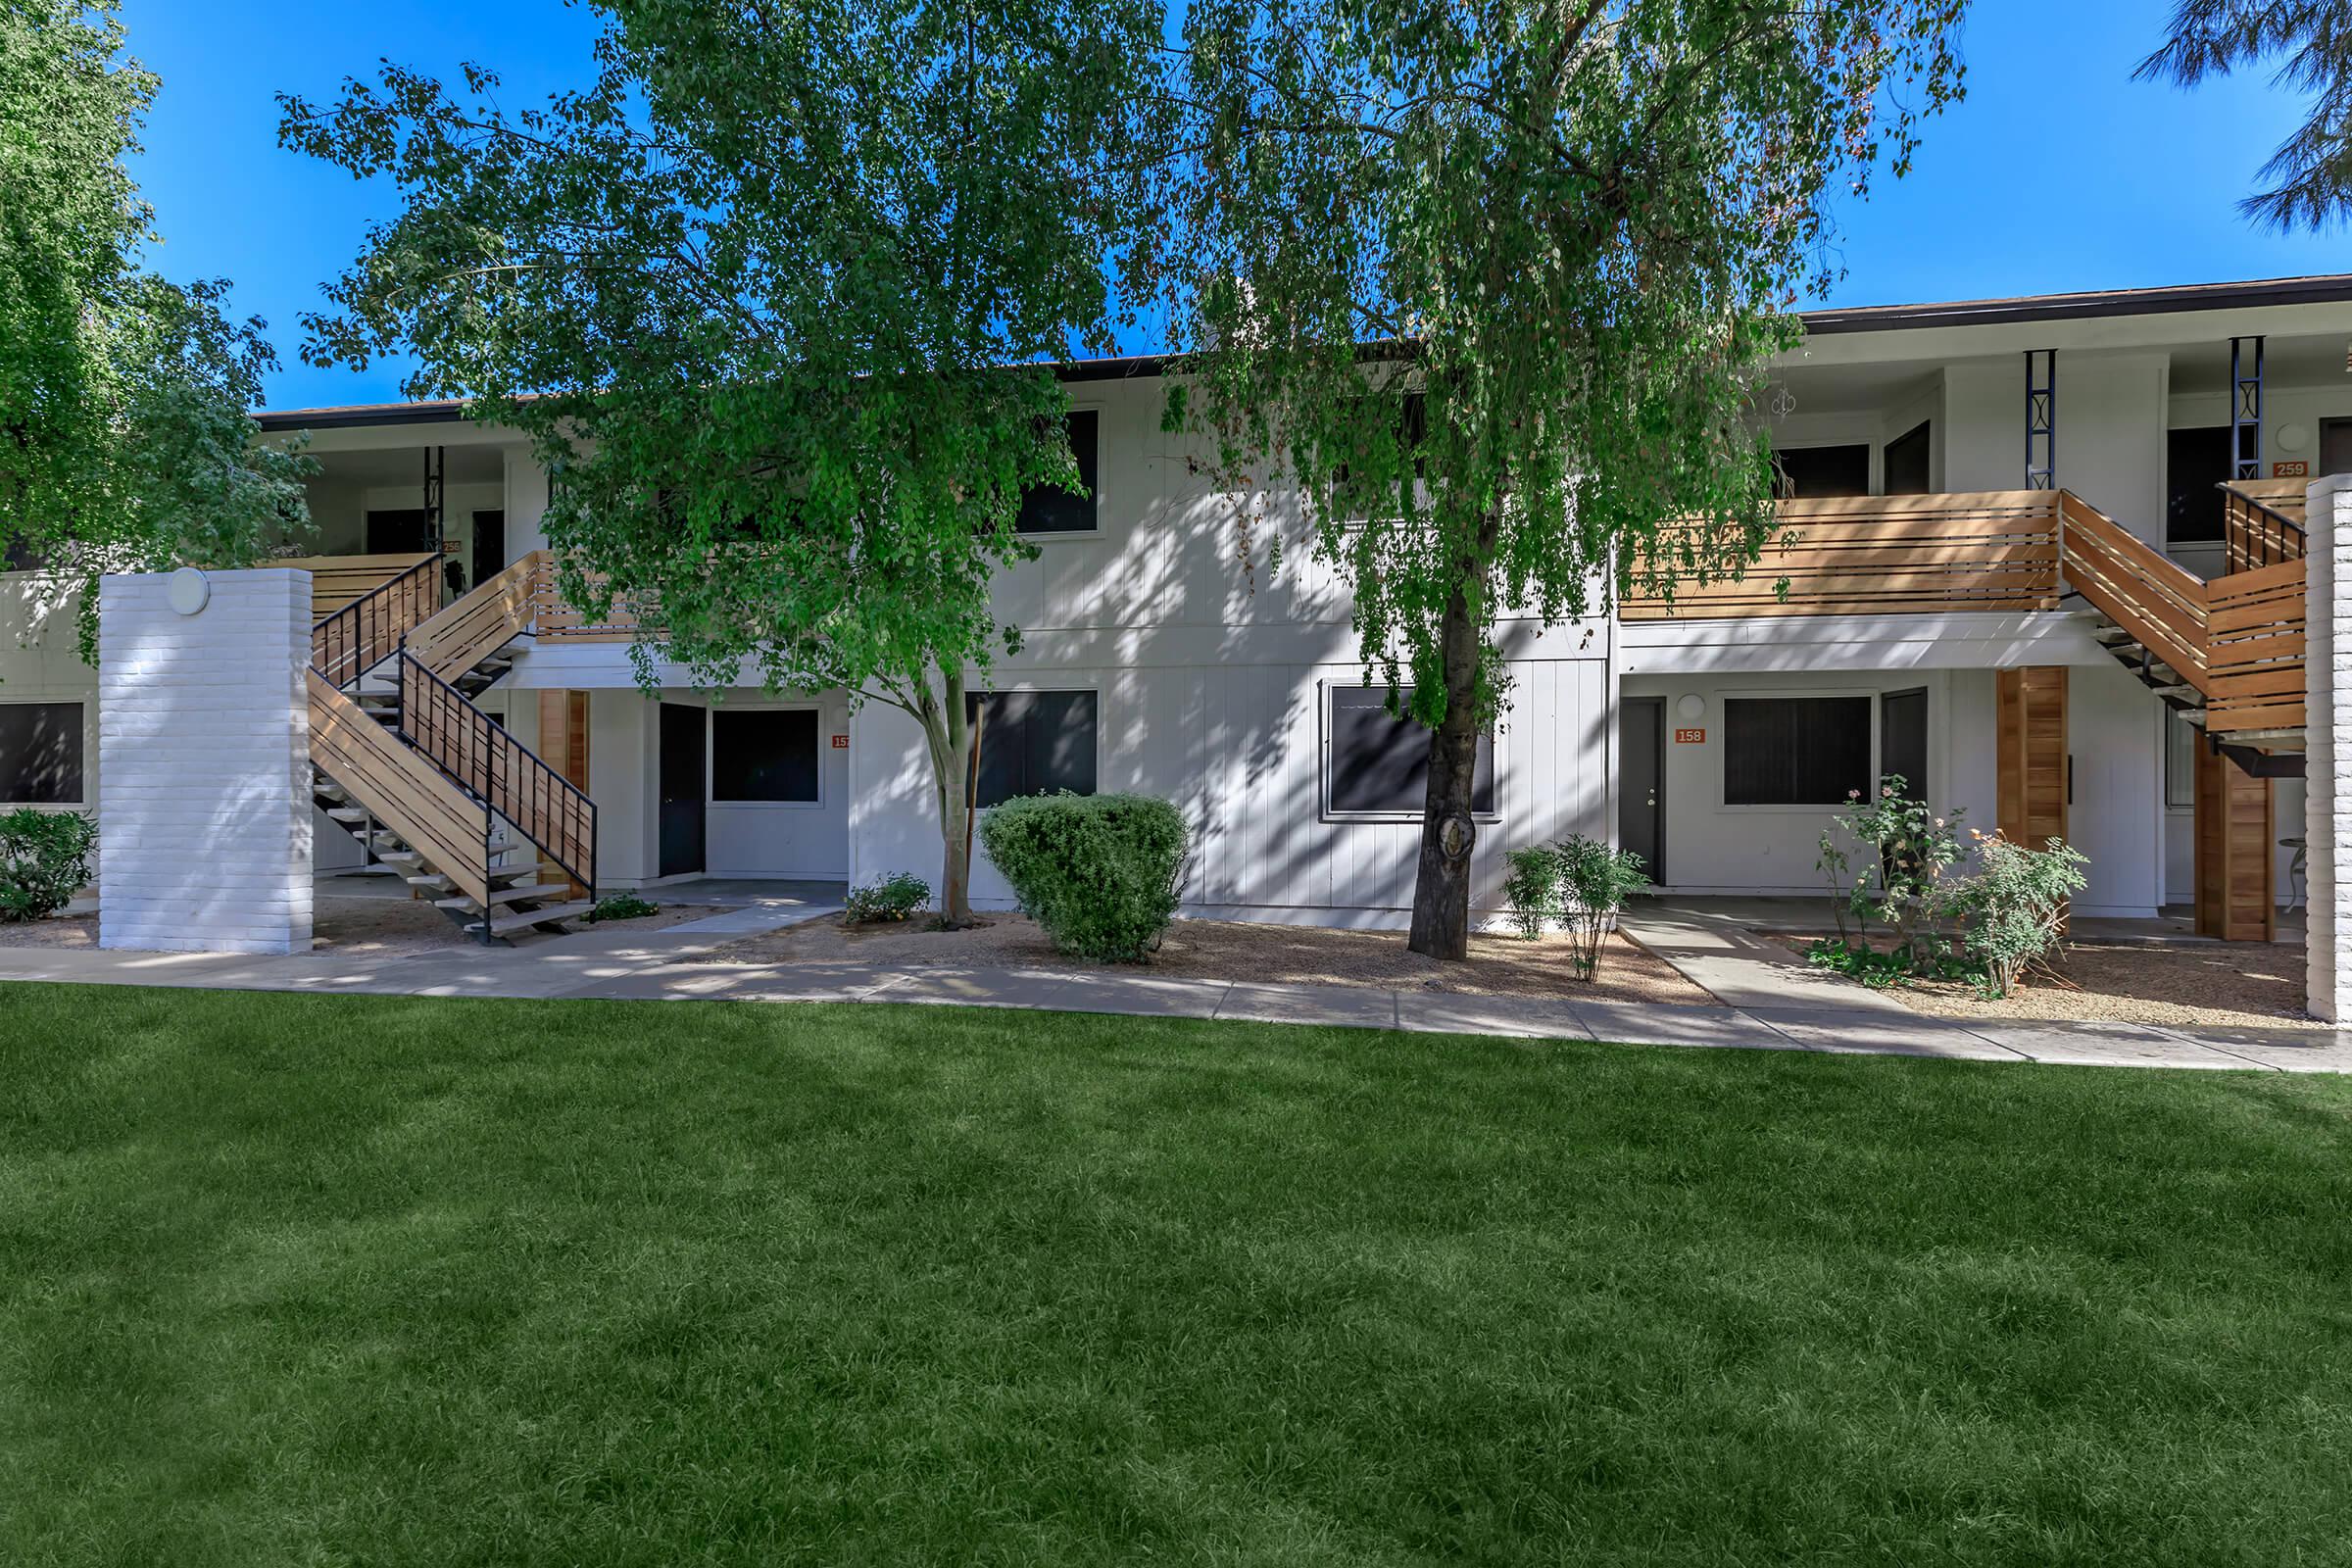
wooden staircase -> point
(434, 787)
(2225, 654)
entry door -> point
(1642, 782)
(2335, 446)
(489, 544)
(681, 809)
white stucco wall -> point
(204, 728)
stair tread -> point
(524, 919)
(513, 894)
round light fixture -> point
(187, 590)
(1691, 706)
(2292, 437)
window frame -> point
(1327, 757)
(981, 696)
(1094, 501)
(81, 707)
(711, 800)
(1869, 696)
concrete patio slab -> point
(1637, 1023)
(2101, 1044)
(1356, 1006)
(1449, 1012)
(1847, 1033)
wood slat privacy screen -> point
(1880, 555)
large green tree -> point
(775, 298)
(125, 441)
(1489, 285)
(2311, 43)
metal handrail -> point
(355, 639)
(499, 771)
(2257, 534)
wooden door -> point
(1642, 781)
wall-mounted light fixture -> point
(1690, 707)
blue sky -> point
(2058, 172)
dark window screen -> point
(1809, 473)
(763, 755)
(1380, 762)
(1906, 463)
(1049, 509)
(1035, 743)
(1795, 751)
(40, 753)
(1903, 741)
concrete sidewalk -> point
(657, 966)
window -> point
(1379, 763)
(1906, 461)
(1049, 509)
(1354, 500)
(40, 753)
(2179, 762)
(1903, 740)
(1795, 751)
(1034, 743)
(764, 755)
(1809, 473)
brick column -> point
(2327, 721)
(204, 747)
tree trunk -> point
(1442, 891)
(948, 738)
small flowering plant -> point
(1894, 876)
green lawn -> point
(343, 1280)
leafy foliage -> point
(1596, 880)
(1901, 883)
(1883, 971)
(773, 297)
(44, 860)
(2312, 41)
(1577, 883)
(125, 444)
(1532, 888)
(623, 907)
(895, 897)
(1101, 873)
(1569, 234)
(2016, 905)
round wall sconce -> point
(2292, 437)
(187, 590)
(1690, 707)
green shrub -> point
(1099, 872)
(1899, 883)
(623, 907)
(2016, 905)
(1594, 881)
(44, 860)
(1533, 888)
(891, 898)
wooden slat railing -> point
(559, 620)
(495, 613)
(404, 791)
(1876, 555)
(2261, 524)
(337, 580)
(368, 630)
(2238, 639)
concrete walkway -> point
(1776, 1011)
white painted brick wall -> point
(204, 742)
(2328, 719)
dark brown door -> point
(1642, 781)
(2335, 446)
(489, 544)
(681, 808)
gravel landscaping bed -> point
(1232, 949)
(2182, 984)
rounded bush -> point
(1100, 873)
